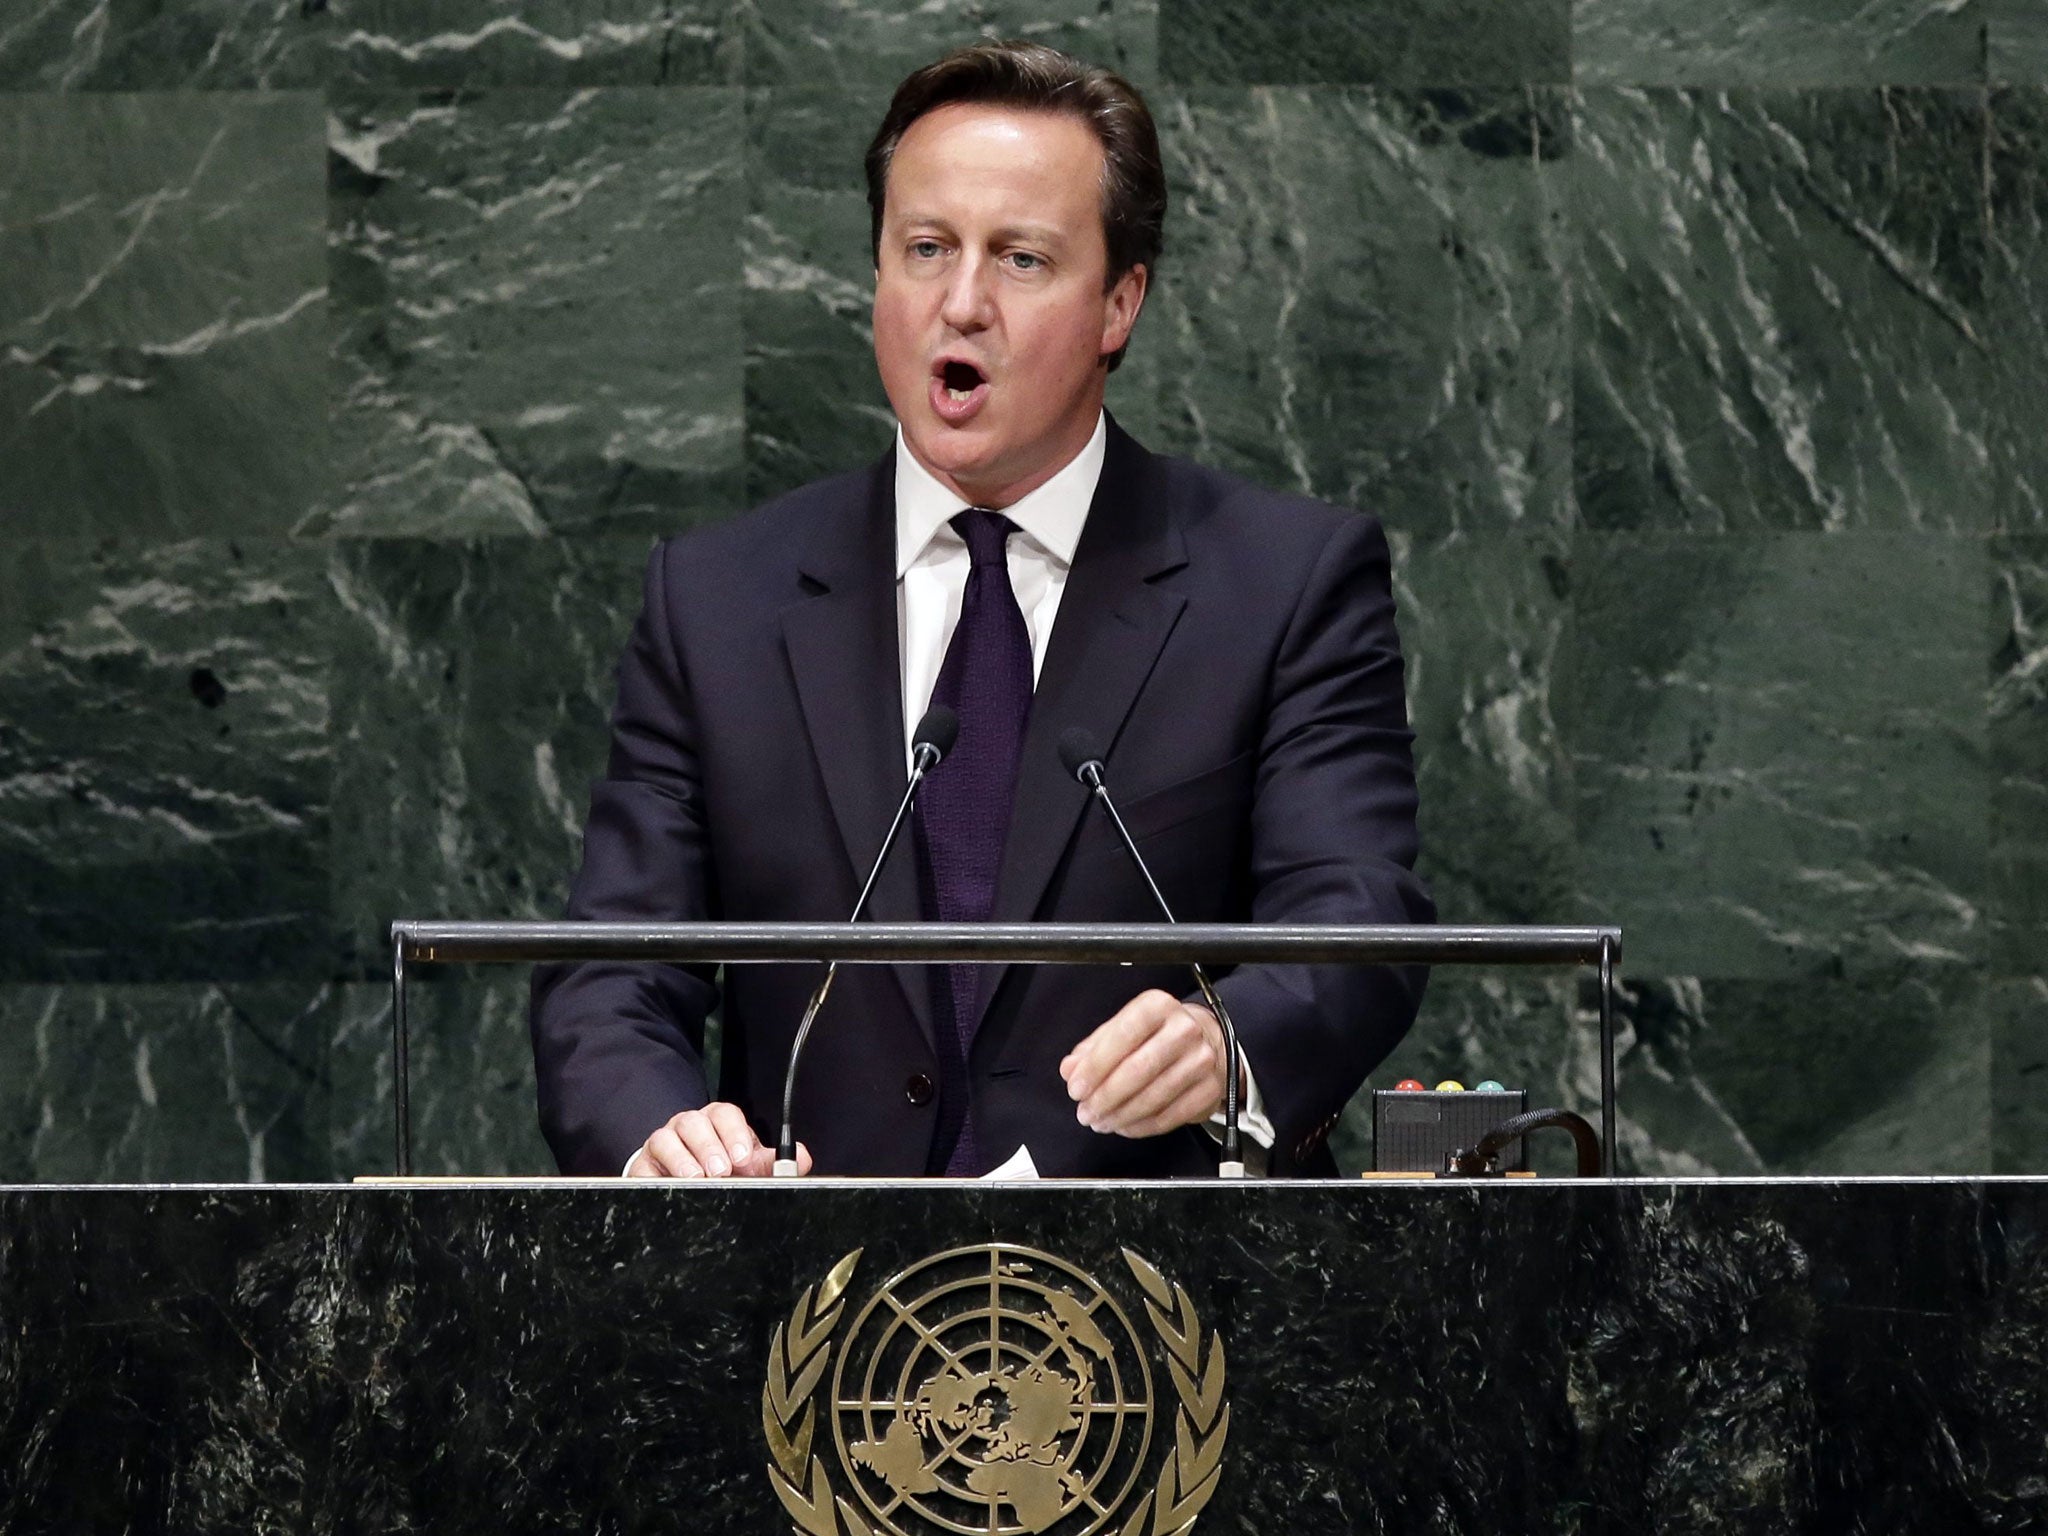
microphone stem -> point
(1131, 844)
(920, 765)
(785, 1143)
(1232, 1155)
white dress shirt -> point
(932, 563)
(931, 579)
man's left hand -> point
(1154, 1067)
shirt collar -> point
(1051, 516)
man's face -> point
(991, 319)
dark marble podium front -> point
(1774, 1355)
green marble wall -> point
(352, 351)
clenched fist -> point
(714, 1142)
(1154, 1067)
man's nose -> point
(970, 295)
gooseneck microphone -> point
(929, 745)
(1083, 759)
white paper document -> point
(1019, 1166)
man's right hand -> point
(714, 1142)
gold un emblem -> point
(992, 1391)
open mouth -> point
(960, 379)
(959, 389)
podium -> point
(1583, 1356)
(1079, 1358)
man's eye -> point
(1026, 262)
(926, 248)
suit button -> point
(918, 1089)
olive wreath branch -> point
(797, 1357)
(1187, 1478)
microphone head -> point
(1079, 751)
(939, 728)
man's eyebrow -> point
(1031, 234)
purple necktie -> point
(963, 810)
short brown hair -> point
(1036, 78)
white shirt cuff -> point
(1251, 1114)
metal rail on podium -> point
(415, 941)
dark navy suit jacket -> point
(1234, 651)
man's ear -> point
(1120, 308)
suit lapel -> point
(842, 647)
(1111, 627)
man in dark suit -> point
(1021, 559)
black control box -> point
(1414, 1130)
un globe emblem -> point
(993, 1390)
